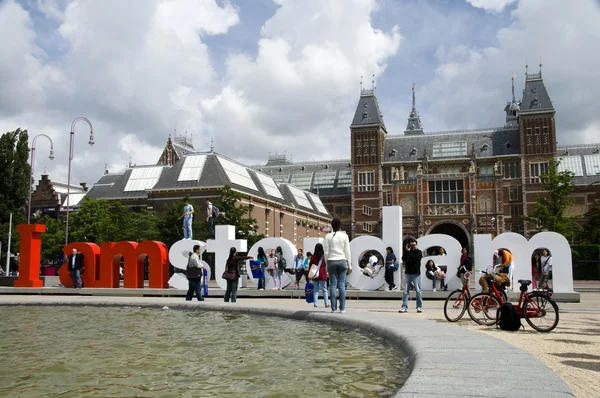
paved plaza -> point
(572, 350)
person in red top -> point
(320, 282)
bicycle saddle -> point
(525, 282)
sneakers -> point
(342, 311)
(434, 290)
(403, 310)
(419, 310)
(394, 289)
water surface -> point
(127, 352)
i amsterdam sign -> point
(101, 262)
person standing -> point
(232, 265)
(320, 282)
(546, 261)
(194, 273)
(210, 220)
(280, 268)
(299, 267)
(75, 268)
(412, 258)
(536, 269)
(337, 256)
(188, 216)
(390, 262)
(465, 267)
(262, 258)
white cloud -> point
(471, 83)
(491, 5)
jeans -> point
(76, 276)
(337, 280)
(211, 228)
(389, 276)
(231, 290)
(277, 278)
(322, 285)
(408, 279)
(261, 282)
(194, 286)
(187, 228)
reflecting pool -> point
(126, 352)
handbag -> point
(229, 275)
(314, 270)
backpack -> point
(282, 264)
(507, 317)
(215, 211)
(396, 265)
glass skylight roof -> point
(449, 149)
(300, 197)
(324, 179)
(345, 179)
(269, 186)
(318, 204)
(237, 174)
(281, 177)
(192, 168)
(571, 163)
(74, 200)
(302, 180)
(143, 178)
(592, 164)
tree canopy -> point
(549, 210)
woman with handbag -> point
(318, 274)
(232, 274)
(194, 273)
(337, 255)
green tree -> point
(14, 184)
(53, 240)
(90, 223)
(549, 210)
(234, 213)
(591, 230)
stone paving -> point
(440, 354)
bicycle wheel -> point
(541, 312)
(455, 306)
(482, 309)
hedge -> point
(586, 262)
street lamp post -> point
(32, 165)
(72, 138)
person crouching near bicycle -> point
(501, 277)
(465, 267)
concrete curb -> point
(444, 360)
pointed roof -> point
(414, 126)
(367, 111)
(512, 109)
(535, 96)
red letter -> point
(91, 253)
(134, 255)
(31, 254)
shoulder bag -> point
(314, 270)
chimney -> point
(44, 177)
(84, 186)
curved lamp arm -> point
(32, 167)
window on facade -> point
(367, 210)
(366, 181)
(538, 140)
(389, 198)
(486, 170)
(515, 212)
(513, 194)
(546, 135)
(387, 175)
(449, 149)
(367, 227)
(450, 170)
(448, 191)
(372, 147)
(537, 170)
(358, 148)
(529, 137)
(512, 170)
(411, 175)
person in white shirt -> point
(546, 261)
(338, 260)
(188, 216)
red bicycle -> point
(458, 301)
(538, 308)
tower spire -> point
(414, 126)
(513, 88)
(361, 86)
(540, 68)
(512, 108)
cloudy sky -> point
(262, 77)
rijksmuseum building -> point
(453, 182)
